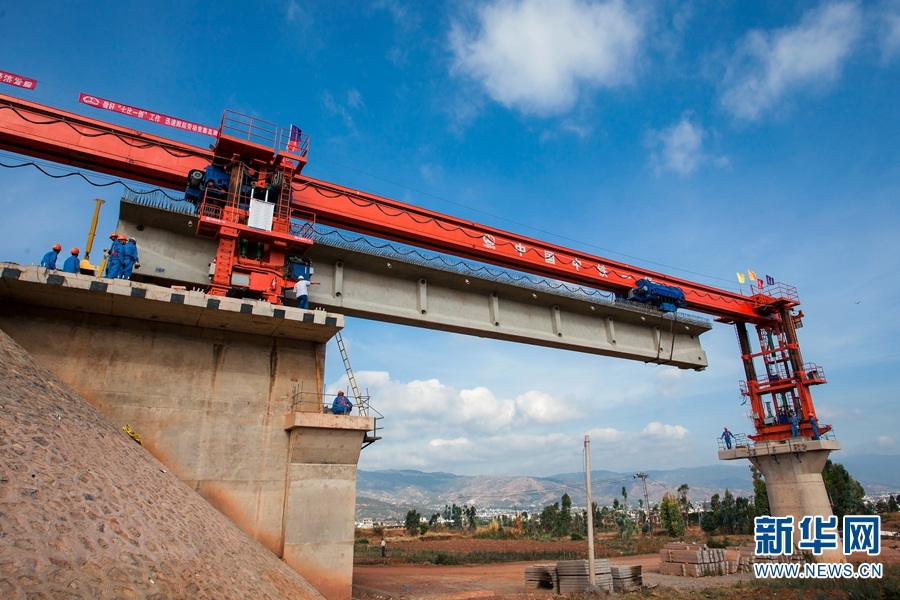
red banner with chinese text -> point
(146, 115)
(17, 80)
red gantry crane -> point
(251, 196)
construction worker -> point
(795, 425)
(112, 257)
(129, 258)
(72, 263)
(49, 260)
(341, 404)
(301, 289)
(727, 436)
(815, 427)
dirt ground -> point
(506, 581)
(433, 582)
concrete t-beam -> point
(361, 282)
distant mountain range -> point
(388, 495)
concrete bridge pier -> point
(792, 469)
(211, 386)
(321, 506)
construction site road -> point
(442, 582)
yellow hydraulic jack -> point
(85, 266)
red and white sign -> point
(146, 115)
(17, 80)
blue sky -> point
(697, 139)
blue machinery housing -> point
(664, 297)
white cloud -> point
(890, 32)
(431, 426)
(885, 441)
(536, 55)
(769, 65)
(679, 148)
(544, 408)
(354, 98)
(657, 430)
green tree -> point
(670, 516)
(471, 516)
(564, 525)
(550, 518)
(710, 520)
(683, 501)
(412, 521)
(760, 493)
(846, 493)
(624, 523)
(728, 516)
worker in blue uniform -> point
(795, 425)
(129, 258)
(815, 427)
(72, 263)
(341, 404)
(727, 436)
(112, 257)
(49, 260)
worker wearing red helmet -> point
(72, 263)
(49, 260)
(113, 267)
(341, 404)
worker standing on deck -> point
(727, 436)
(341, 404)
(301, 289)
(795, 425)
(71, 264)
(49, 260)
(130, 258)
(815, 427)
(112, 257)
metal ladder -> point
(363, 407)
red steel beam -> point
(382, 217)
(52, 134)
(71, 139)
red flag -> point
(759, 283)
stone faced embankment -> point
(85, 512)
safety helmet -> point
(75, 251)
(113, 235)
(57, 247)
(132, 240)
(340, 392)
(122, 238)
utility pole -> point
(592, 571)
(643, 478)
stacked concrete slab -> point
(572, 576)
(626, 578)
(695, 560)
(542, 577)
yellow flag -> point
(751, 275)
(741, 278)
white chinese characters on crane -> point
(489, 241)
(549, 257)
(520, 248)
(576, 263)
(601, 270)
